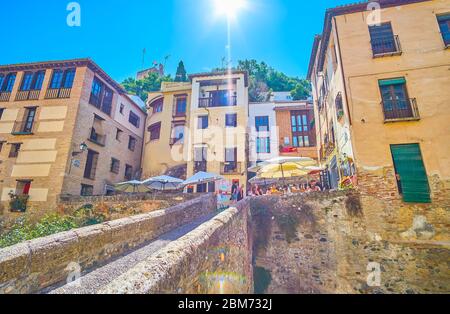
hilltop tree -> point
(150, 83)
(181, 75)
(264, 79)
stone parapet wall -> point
(34, 265)
(327, 243)
(214, 258)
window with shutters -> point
(101, 96)
(444, 25)
(91, 165)
(410, 173)
(383, 40)
(128, 172)
(87, 190)
(115, 166)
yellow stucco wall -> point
(159, 155)
(424, 63)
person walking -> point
(240, 193)
(234, 189)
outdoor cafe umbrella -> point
(201, 178)
(163, 183)
(131, 187)
(282, 167)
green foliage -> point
(265, 79)
(150, 83)
(181, 75)
(23, 229)
(261, 279)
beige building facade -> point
(166, 129)
(66, 128)
(380, 86)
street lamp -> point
(83, 147)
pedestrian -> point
(240, 193)
(234, 189)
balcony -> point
(326, 150)
(387, 46)
(58, 93)
(200, 166)
(23, 128)
(176, 141)
(231, 168)
(5, 96)
(217, 102)
(97, 138)
(27, 95)
(400, 110)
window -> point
(230, 160)
(410, 173)
(444, 25)
(1, 145)
(15, 148)
(1, 112)
(339, 106)
(200, 158)
(263, 145)
(23, 187)
(300, 129)
(62, 78)
(134, 119)
(32, 81)
(27, 125)
(203, 122)
(396, 104)
(180, 105)
(122, 107)
(8, 83)
(262, 124)
(131, 143)
(382, 39)
(128, 172)
(115, 166)
(155, 131)
(2, 79)
(178, 134)
(101, 96)
(87, 190)
(158, 105)
(91, 165)
(231, 120)
(118, 134)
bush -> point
(23, 230)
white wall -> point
(263, 109)
(122, 118)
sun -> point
(230, 8)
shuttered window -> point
(410, 172)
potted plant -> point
(18, 203)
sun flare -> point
(230, 8)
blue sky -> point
(114, 33)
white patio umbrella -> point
(282, 167)
(163, 183)
(201, 178)
(133, 186)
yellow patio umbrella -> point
(284, 167)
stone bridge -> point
(319, 243)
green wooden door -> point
(411, 171)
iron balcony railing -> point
(5, 96)
(217, 102)
(97, 138)
(23, 128)
(27, 95)
(386, 46)
(53, 93)
(200, 166)
(231, 167)
(400, 110)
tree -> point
(301, 91)
(181, 73)
(150, 83)
(264, 79)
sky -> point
(114, 33)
